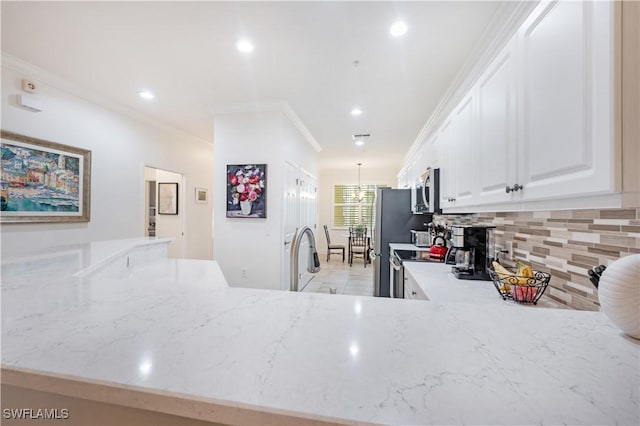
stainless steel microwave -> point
(425, 197)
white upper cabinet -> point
(538, 125)
(565, 122)
(402, 179)
(447, 165)
(464, 147)
(496, 153)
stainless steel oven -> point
(397, 276)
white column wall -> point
(249, 250)
(249, 243)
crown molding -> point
(504, 24)
(55, 81)
(297, 122)
(262, 106)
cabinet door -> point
(429, 153)
(497, 128)
(566, 115)
(464, 154)
(411, 288)
(447, 172)
(402, 179)
(418, 167)
(411, 181)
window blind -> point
(348, 210)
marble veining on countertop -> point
(175, 326)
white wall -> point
(250, 244)
(327, 180)
(121, 146)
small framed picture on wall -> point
(202, 195)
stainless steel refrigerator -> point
(393, 224)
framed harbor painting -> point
(247, 190)
(43, 181)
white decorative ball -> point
(619, 294)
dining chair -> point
(332, 246)
(358, 245)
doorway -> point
(158, 223)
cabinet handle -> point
(514, 188)
(413, 293)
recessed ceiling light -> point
(356, 111)
(145, 94)
(359, 142)
(397, 29)
(244, 46)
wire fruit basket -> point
(519, 288)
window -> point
(348, 210)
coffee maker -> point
(475, 250)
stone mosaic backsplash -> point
(564, 243)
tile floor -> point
(355, 280)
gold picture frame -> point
(43, 181)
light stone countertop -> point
(405, 246)
(173, 327)
(440, 285)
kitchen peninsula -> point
(130, 327)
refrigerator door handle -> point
(372, 254)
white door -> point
(464, 147)
(565, 110)
(169, 225)
(307, 201)
(290, 219)
(496, 152)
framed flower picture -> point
(247, 190)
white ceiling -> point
(304, 51)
